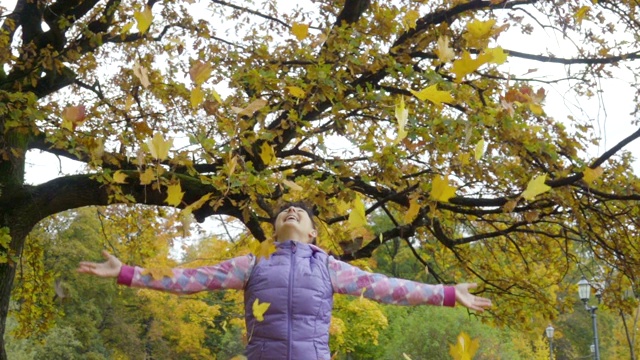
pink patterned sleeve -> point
(350, 280)
(230, 274)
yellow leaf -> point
(590, 175)
(465, 348)
(465, 66)
(264, 249)
(581, 14)
(216, 96)
(410, 18)
(480, 29)
(296, 91)
(406, 357)
(496, 55)
(126, 28)
(267, 155)
(434, 95)
(292, 185)
(197, 204)
(158, 274)
(301, 31)
(159, 147)
(401, 115)
(414, 209)
(259, 309)
(147, 176)
(536, 187)
(357, 216)
(119, 177)
(197, 97)
(200, 72)
(479, 151)
(444, 51)
(251, 108)
(441, 190)
(143, 19)
(174, 194)
(536, 109)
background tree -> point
(226, 108)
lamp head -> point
(549, 330)
(584, 290)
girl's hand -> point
(108, 269)
(467, 299)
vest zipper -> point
(291, 272)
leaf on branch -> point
(159, 147)
(259, 309)
(465, 348)
(441, 190)
(119, 177)
(443, 50)
(300, 31)
(200, 72)
(401, 115)
(412, 213)
(251, 108)
(480, 29)
(434, 95)
(267, 155)
(147, 176)
(465, 66)
(196, 204)
(296, 92)
(410, 19)
(494, 55)
(197, 96)
(143, 19)
(581, 14)
(590, 175)
(357, 216)
(72, 116)
(174, 194)
(536, 187)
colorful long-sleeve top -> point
(345, 279)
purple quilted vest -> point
(295, 281)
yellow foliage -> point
(300, 31)
(144, 19)
(535, 187)
(174, 194)
(465, 348)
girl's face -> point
(293, 223)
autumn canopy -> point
(407, 111)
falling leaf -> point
(357, 216)
(590, 175)
(73, 116)
(581, 14)
(159, 147)
(174, 194)
(301, 31)
(158, 273)
(142, 74)
(479, 150)
(200, 72)
(119, 177)
(296, 91)
(147, 176)
(251, 108)
(401, 115)
(444, 51)
(465, 348)
(410, 19)
(264, 249)
(267, 155)
(143, 19)
(480, 29)
(292, 185)
(197, 97)
(412, 213)
(406, 357)
(441, 190)
(434, 95)
(259, 309)
(536, 187)
(496, 55)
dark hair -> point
(299, 204)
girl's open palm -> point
(467, 299)
(108, 269)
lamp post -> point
(549, 330)
(584, 290)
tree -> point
(222, 108)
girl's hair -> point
(299, 204)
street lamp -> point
(584, 290)
(592, 348)
(550, 331)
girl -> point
(298, 281)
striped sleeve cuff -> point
(126, 275)
(449, 296)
